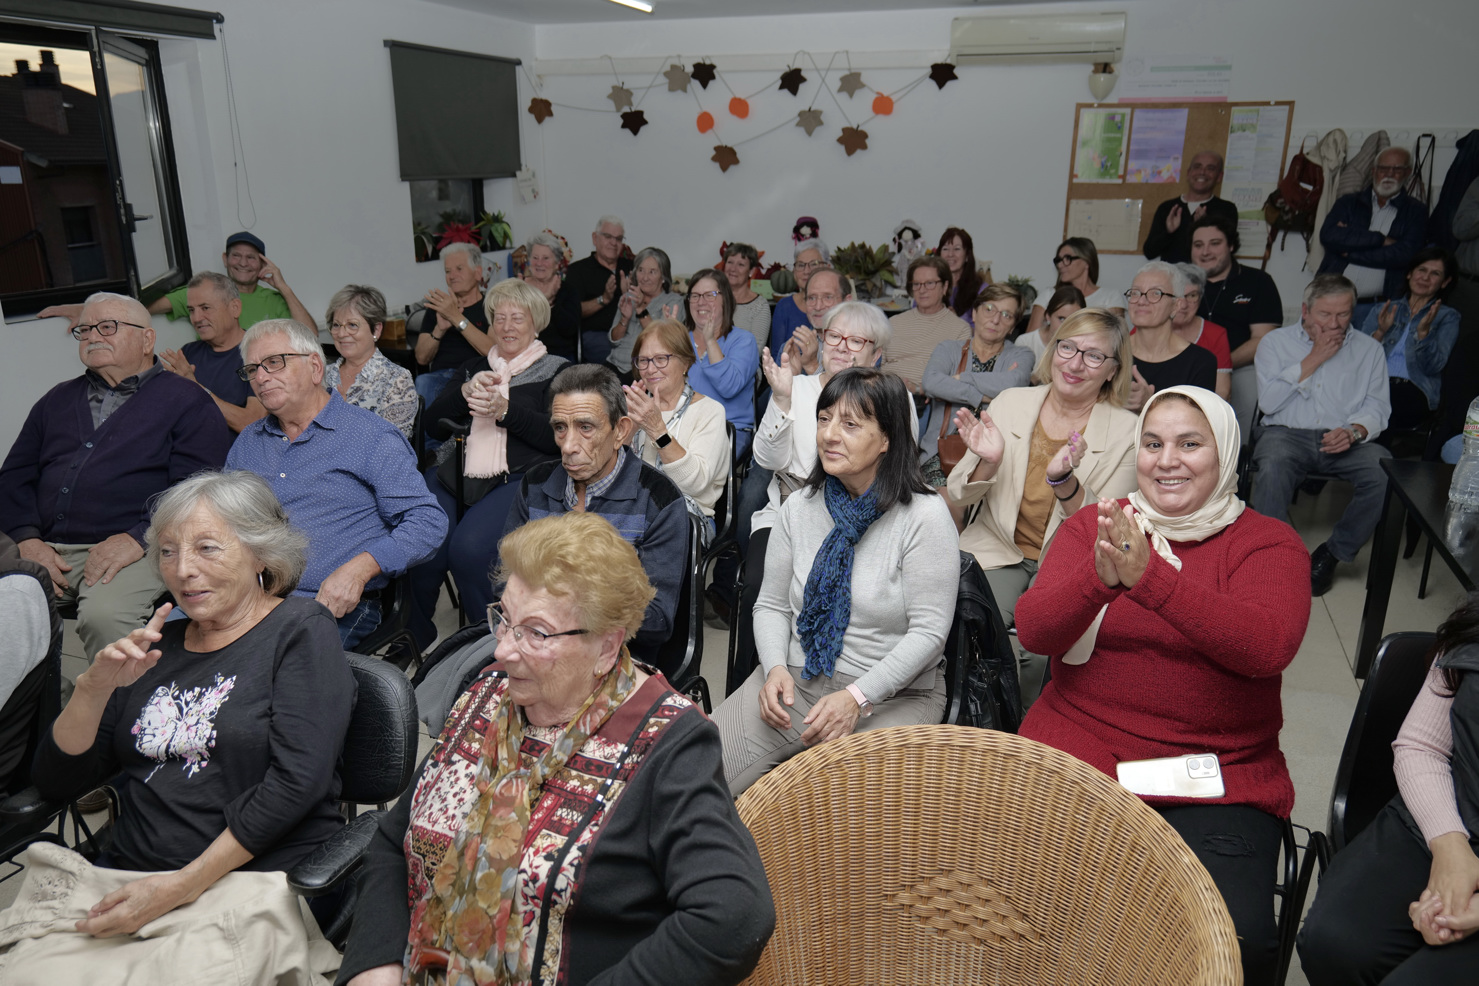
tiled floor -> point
(1319, 690)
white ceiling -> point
(591, 11)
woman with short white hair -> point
(460, 331)
(545, 256)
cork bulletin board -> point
(1128, 158)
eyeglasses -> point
(926, 284)
(107, 327)
(996, 314)
(347, 326)
(272, 364)
(1093, 358)
(1391, 169)
(1154, 295)
(825, 300)
(801, 265)
(1064, 259)
(660, 361)
(526, 638)
(702, 295)
(854, 344)
(612, 236)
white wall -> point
(989, 152)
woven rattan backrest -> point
(946, 855)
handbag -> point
(952, 448)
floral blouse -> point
(382, 387)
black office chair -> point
(31, 709)
(418, 435)
(681, 658)
(393, 639)
(1364, 780)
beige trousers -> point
(248, 929)
(106, 612)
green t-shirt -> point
(259, 304)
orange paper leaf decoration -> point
(705, 122)
(739, 107)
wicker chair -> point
(944, 855)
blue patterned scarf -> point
(826, 604)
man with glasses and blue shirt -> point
(76, 486)
(345, 475)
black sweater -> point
(246, 737)
(674, 890)
(531, 440)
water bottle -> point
(1464, 491)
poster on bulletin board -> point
(1128, 159)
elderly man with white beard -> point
(1371, 235)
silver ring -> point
(1125, 546)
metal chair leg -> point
(1422, 584)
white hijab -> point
(1221, 509)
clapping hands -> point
(1121, 551)
(981, 436)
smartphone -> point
(1196, 775)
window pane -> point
(134, 126)
(53, 162)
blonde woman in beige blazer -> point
(1070, 440)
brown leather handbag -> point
(952, 448)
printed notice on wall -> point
(1175, 79)
(1254, 161)
(1113, 224)
(1156, 137)
(1100, 154)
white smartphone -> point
(1197, 775)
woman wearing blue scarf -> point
(859, 589)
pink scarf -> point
(487, 444)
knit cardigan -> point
(1185, 662)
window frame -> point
(26, 303)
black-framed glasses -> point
(660, 361)
(1093, 358)
(1064, 259)
(696, 295)
(107, 327)
(527, 638)
(1154, 295)
(854, 344)
(926, 284)
(272, 364)
(801, 265)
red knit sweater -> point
(1185, 662)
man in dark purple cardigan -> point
(76, 486)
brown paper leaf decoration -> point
(540, 109)
(633, 120)
(725, 157)
(854, 139)
(850, 83)
(810, 119)
(791, 81)
(941, 73)
(703, 73)
(677, 78)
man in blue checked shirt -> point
(346, 477)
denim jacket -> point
(1425, 359)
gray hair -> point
(815, 243)
(1406, 156)
(844, 284)
(301, 339)
(224, 286)
(244, 503)
(474, 256)
(609, 220)
(136, 308)
(1324, 285)
(1173, 273)
(863, 319)
(361, 298)
(591, 378)
(664, 265)
(547, 240)
(1195, 276)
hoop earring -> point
(260, 583)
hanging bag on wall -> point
(1291, 207)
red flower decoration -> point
(457, 233)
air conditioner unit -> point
(1040, 38)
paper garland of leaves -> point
(810, 119)
(853, 139)
(792, 80)
(703, 73)
(725, 157)
(941, 73)
(677, 78)
(540, 109)
(621, 98)
(633, 120)
(850, 83)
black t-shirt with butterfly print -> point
(246, 737)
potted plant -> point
(871, 269)
(496, 233)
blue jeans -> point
(469, 552)
(1285, 456)
(429, 387)
(359, 623)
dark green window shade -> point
(120, 15)
(456, 113)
